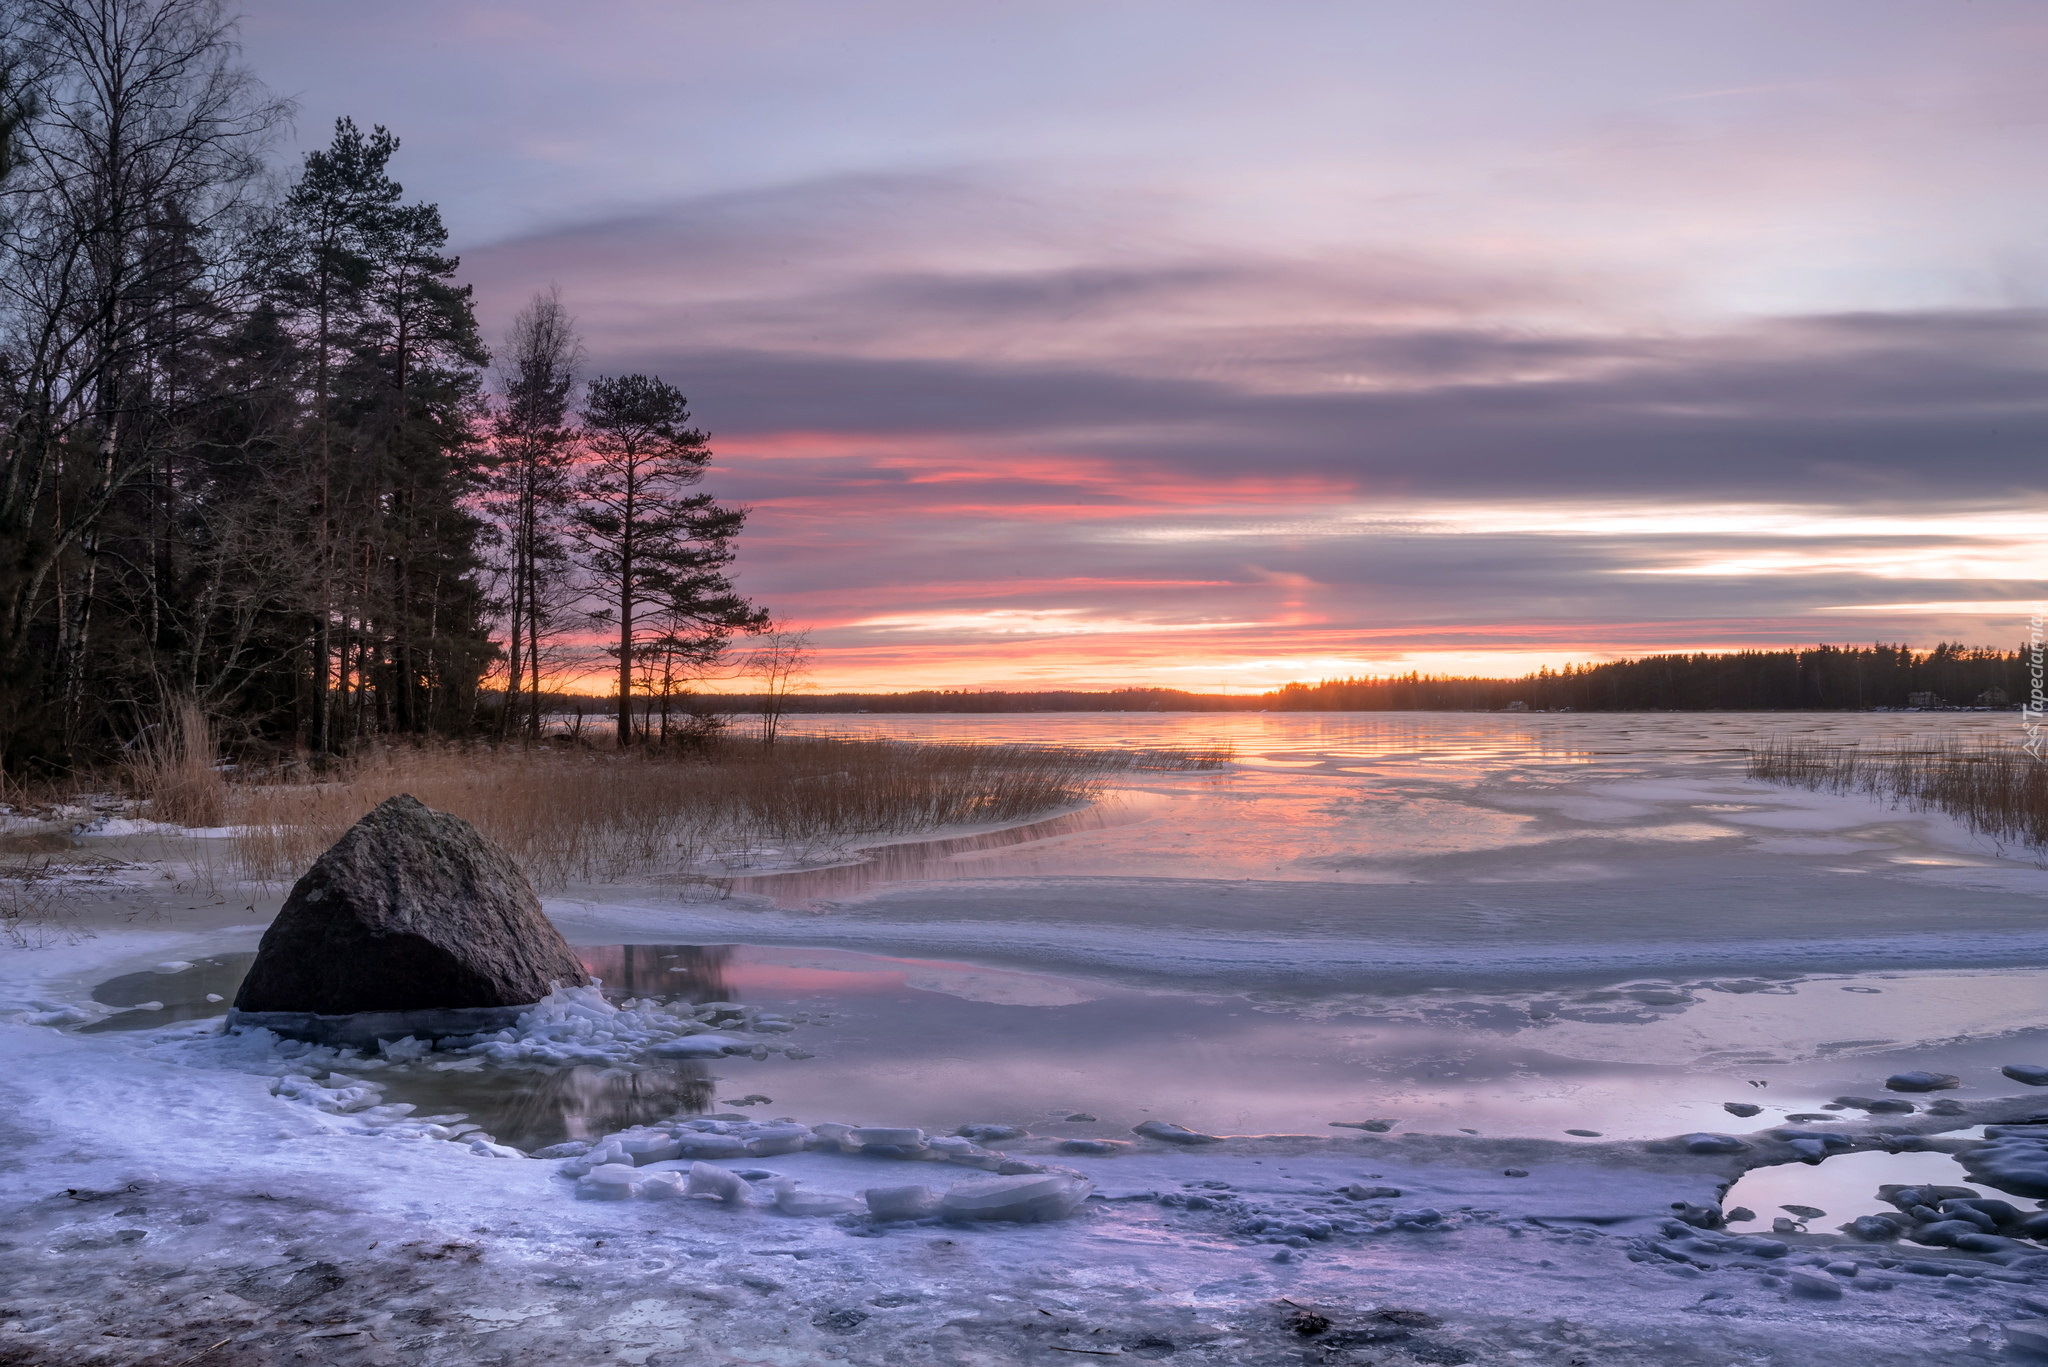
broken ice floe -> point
(616, 1169)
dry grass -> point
(174, 769)
(568, 813)
(33, 913)
(1996, 790)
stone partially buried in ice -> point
(1711, 1143)
(1918, 1081)
(411, 910)
(1042, 1196)
(2033, 1074)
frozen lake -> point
(1475, 959)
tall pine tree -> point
(657, 554)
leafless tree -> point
(782, 663)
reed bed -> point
(176, 769)
(1999, 791)
(569, 813)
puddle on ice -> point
(938, 1044)
(1844, 1186)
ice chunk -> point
(1041, 1196)
(662, 1186)
(699, 1144)
(1093, 1146)
(1813, 1281)
(608, 1182)
(833, 1135)
(174, 966)
(870, 1137)
(791, 1199)
(957, 1148)
(707, 1179)
(574, 1148)
(483, 1148)
(775, 1139)
(2028, 1335)
(901, 1203)
(655, 1147)
(1169, 1133)
(2033, 1074)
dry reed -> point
(1999, 791)
(174, 768)
(568, 813)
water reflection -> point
(154, 997)
(531, 1107)
(916, 860)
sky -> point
(1218, 345)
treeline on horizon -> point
(1819, 678)
(256, 464)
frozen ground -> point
(1516, 926)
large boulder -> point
(412, 923)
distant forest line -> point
(1820, 678)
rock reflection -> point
(534, 1107)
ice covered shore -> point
(180, 1201)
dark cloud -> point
(1951, 408)
(868, 305)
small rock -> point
(2033, 1074)
(1920, 1081)
(1373, 1126)
(1947, 1105)
(1744, 1109)
(1585, 1134)
(1741, 1213)
(1805, 1212)
(1080, 1118)
(1514, 1172)
(1360, 1192)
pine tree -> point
(656, 554)
(531, 450)
(322, 258)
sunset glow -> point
(1400, 355)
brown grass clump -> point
(1996, 790)
(570, 813)
(174, 769)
